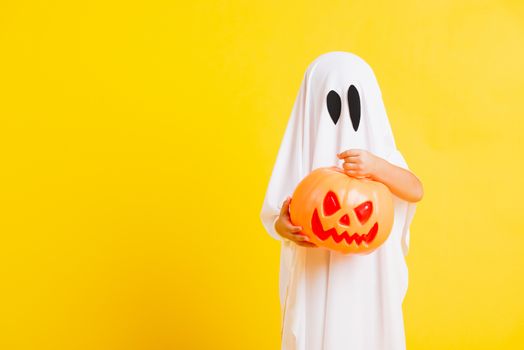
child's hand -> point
(359, 163)
(286, 229)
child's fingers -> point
(307, 244)
(352, 159)
(355, 173)
(285, 206)
(351, 166)
(296, 235)
(300, 237)
(293, 228)
(349, 153)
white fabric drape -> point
(331, 301)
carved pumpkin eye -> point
(331, 204)
(364, 211)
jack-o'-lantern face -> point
(342, 213)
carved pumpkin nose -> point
(364, 211)
(344, 220)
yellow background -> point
(137, 140)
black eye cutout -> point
(354, 106)
(334, 106)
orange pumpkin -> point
(342, 213)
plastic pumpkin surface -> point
(342, 213)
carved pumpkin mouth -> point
(332, 232)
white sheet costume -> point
(331, 301)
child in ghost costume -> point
(329, 300)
